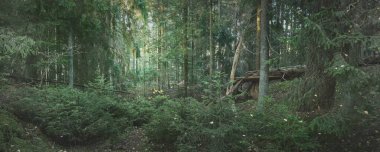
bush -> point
(188, 125)
(71, 116)
(13, 137)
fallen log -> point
(370, 61)
(282, 73)
(253, 77)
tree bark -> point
(258, 32)
(264, 67)
(210, 41)
(185, 47)
(236, 59)
(70, 52)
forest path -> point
(134, 142)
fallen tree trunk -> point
(250, 81)
(370, 61)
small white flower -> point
(259, 135)
(366, 112)
(300, 121)
(341, 105)
(315, 95)
(285, 120)
(336, 68)
(175, 118)
(319, 133)
(243, 135)
(211, 122)
(345, 54)
(342, 66)
(251, 115)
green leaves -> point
(13, 44)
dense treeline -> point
(157, 53)
(161, 43)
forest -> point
(190, 75)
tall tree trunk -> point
(185, 47)
(258, 32)
(236, 59)
(70, 52)
(264, 67)
(235, 64)
(210, 40)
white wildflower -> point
(243, 135)
(251, 115)
(342, 66)
(366, 112)
(285, 120)
(211, 122)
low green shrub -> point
(14, 137)
(278, 129)
(331, 123)
(73, 117)
(188, 125)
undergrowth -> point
(71, 116)
(214, 124)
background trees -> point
(175, 45)
(101, 69)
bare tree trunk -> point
(258, 31)
(210, 41)
(70, 52)
(235, 64)
(236, 59)
(264, 67)
(185, 46)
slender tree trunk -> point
(70, 52)
(192, 45)
(185, 47)
(264, 67)
(258, 32)
(236, 59)
(210, 41)
(235, 64)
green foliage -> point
(332, 124)
(101, 86)
(341, 70)
(71, 116)
(213, 86)
(13, 44)
(187, 125)
(14, 137)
